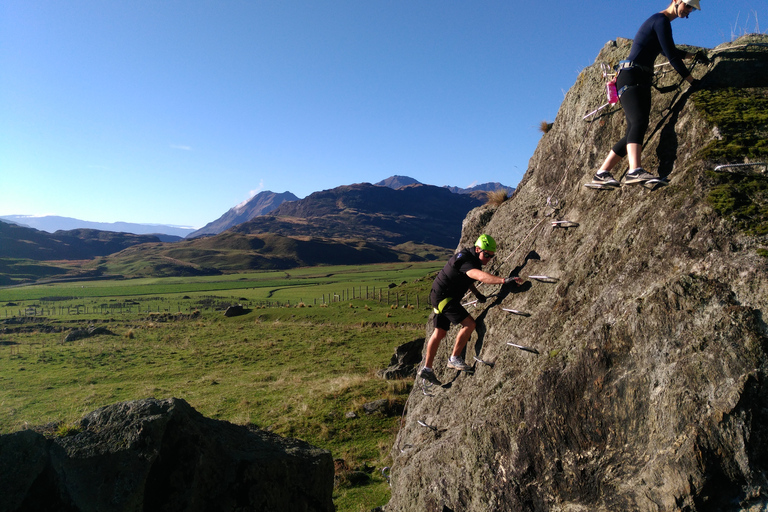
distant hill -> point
(78, 244)
(483, 187)
(420, 214)
(53, 223)
(235, 251)
(260, 204)
(396, 182)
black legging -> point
(636, 103)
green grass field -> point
(295, 368)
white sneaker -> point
(429, 376)
(457, 363)
(638, 176)
(604, 179)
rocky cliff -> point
(649, 391)
(160, 455)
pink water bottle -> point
(613, 95)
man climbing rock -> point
(450, 285)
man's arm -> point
(485, 277)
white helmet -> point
(693, 3)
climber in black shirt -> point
(452, 282)
(634, 85)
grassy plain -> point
(295, 368)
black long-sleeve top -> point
(654, 37)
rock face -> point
(650, 392)
(161, 455)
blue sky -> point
(172, 112)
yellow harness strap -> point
(441, 305)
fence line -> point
(213, 303)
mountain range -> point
(419, 214)
(403, 220)
(260, 204)
(267, 201)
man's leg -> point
(468, 327)
(434, 343)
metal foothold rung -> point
(544, 279)
(523, 347)
(599, 186)
(430, 427)
(564, 224)
(516, 312)
(484, 362)
(727, 167)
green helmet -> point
(486, 243)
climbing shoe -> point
(638, 176)
(605, 180)
(429, 376)
(457, 363)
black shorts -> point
(453, 313)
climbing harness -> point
(523, 347)
(441, 305)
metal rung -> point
(726, 167)
(564, 224)
(430, 427)
(523, 347)
(516, 312)
(544, 279)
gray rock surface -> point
(161, 455)
(650, 392)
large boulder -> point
(160, 455)
(405, 361)
(650, 389)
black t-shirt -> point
(452, 280)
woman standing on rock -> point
(634, 86)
